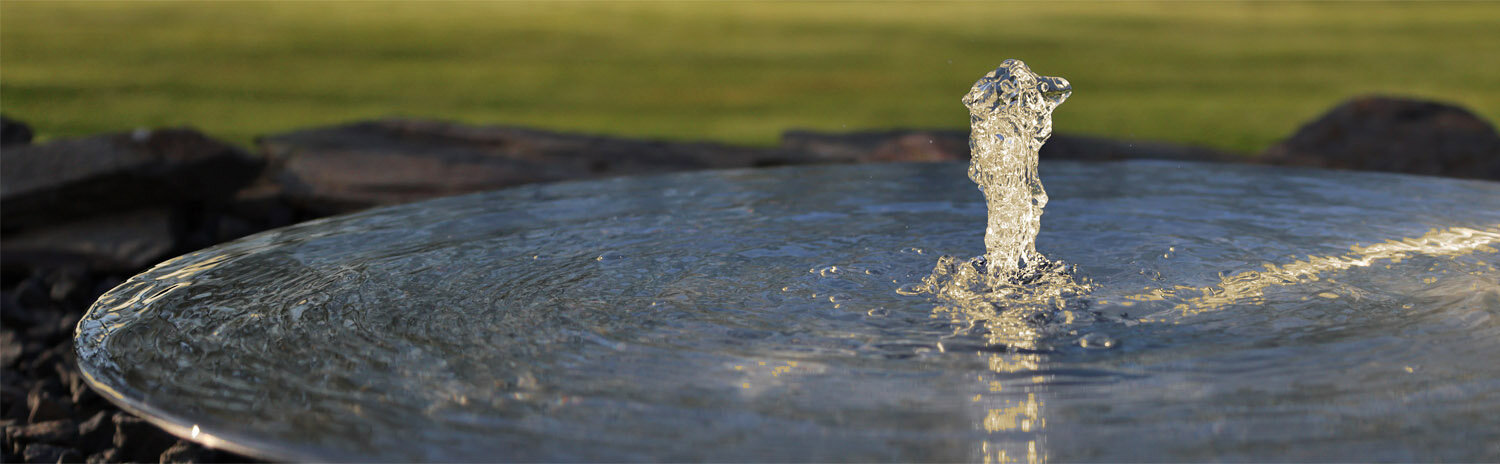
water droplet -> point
(1096, 341)
(911, 289)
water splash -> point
(1010, 117)
(1012, 291)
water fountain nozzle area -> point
(1012, 292)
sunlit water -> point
(1010, 117)
(1012, 294)
(1236, 313)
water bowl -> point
(1222, 312)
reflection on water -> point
(1249, 286)
(755, 316)
(1006, 412)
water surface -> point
(755, 315)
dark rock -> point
(83, 396)
(106, 456)
(1085, 148)
(23, 304)
(57, 432)
(13, 397)
(1395, 135)
(10, 348)
(121, 242)
(264, 206)
(40, 452)
(338, 169)
(186, 452)
(58, 325)
(12, 314)
(97, 433)
(45, 406)
(68, 373)
(13, 132)
(896, 145)
(63, 180)
(68, 286)
(138, 440)
(950, 145)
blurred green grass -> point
(1235, 76)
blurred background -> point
(283, 95)
(1230, 76)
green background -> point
(1235, 76)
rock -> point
(46, 407)
(1085, 148)
(1395, 135)
(23, 302)
(40, 452)
(13, 397)
(82, 394)
(67, 179)
(138, 440)
(186, 452)
(950, 145)
(896, 145)
(97, 433)
(13, 132)
(264, 206)
(13, 315)
(10, 348)
(123, 242)
(72, 380)
(344, 168)
(57, 432)
(107, 456)
(259, 207)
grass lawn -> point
(1236, 76)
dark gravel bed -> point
(49, 412)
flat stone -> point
(13, 132)
(344, 168)
(186, 452)
(10, 348)
(1391, 134)
(13, 398)
(46, 407)
(871, 146)
(121, 242)
(63, 180)
(1087, 148)
(953, 145)
(53, 431)
(107, 456)
(41, 452)
(138, 440)
(97, 433)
